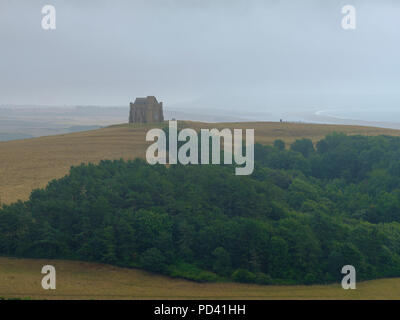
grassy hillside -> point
(21, 278)
(32, 163)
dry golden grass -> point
(29, 164)
(21, 278)
(32, 163)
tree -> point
(279, 144)
(222, 262)
(304, 146)
(152, 259)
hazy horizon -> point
(256, 56)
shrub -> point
(243, 275)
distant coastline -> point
(330, 116)
(21, 122)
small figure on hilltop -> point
(146, 110)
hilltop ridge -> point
(31, 163)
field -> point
(21, 278)
(31, 163)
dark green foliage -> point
(279, 144)
(243, 275)
(304, 146)
(298, 218)
(152, 259)
(222, 261)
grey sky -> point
(258, 54)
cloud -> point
(257, 53)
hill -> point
(32, 163)
(80, 151)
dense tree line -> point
(304, 213)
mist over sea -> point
(384, 114)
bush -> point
(262, 278)
(191, 272)
(243, 275)
(310, 279)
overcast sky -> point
(256, 54)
